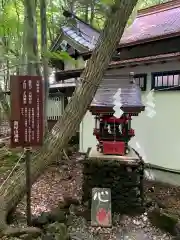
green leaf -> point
(55, 9)
(107, 2)
(59, 55)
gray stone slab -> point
(127, 235)
(101, 207)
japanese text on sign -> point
(101, 207)
(28, 125)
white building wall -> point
(158, 137)
(69, 65)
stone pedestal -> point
(123, 174)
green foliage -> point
(12, 25)
(59, 55)
(108, 2)
(9, 21)
(148, 3)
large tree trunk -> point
(14, 189)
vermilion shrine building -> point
(150, 49)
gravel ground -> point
(65, 180)
(124, 227)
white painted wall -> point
(159, 137)
(69, 65)
(80, 63)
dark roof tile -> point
(76, 36)
(130, 92)
(154, 22)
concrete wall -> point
(158, 137)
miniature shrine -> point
(113, 134)
(114, 164)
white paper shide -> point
(117, 104)
(150, 104)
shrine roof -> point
(77, 32)
(111, 82)
(151, 24)
(80, 38)
(130, 94)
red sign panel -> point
(26, 111)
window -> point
(166, 80)
(141, 81)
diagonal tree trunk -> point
(14, 189)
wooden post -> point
(28, 185)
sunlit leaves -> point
(12, 18)
(107, 2)
(7, 25)
(148, 3)
(59, 55)
(9, 21)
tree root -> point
(6, 230)
(17, 231)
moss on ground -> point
(8, 162)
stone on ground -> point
(59, 230)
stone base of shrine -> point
(122, 174)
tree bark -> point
(31, 37)
(86, 16)
(4, 104)
(44, 60)
(14, 189)
(92, 12)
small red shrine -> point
(113, 134)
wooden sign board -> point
(101, 207)
(26, 111)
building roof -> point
(146, 60)
(130, 94)
(75, 73)
(79, 37)
(78, 31)
(153, 23)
